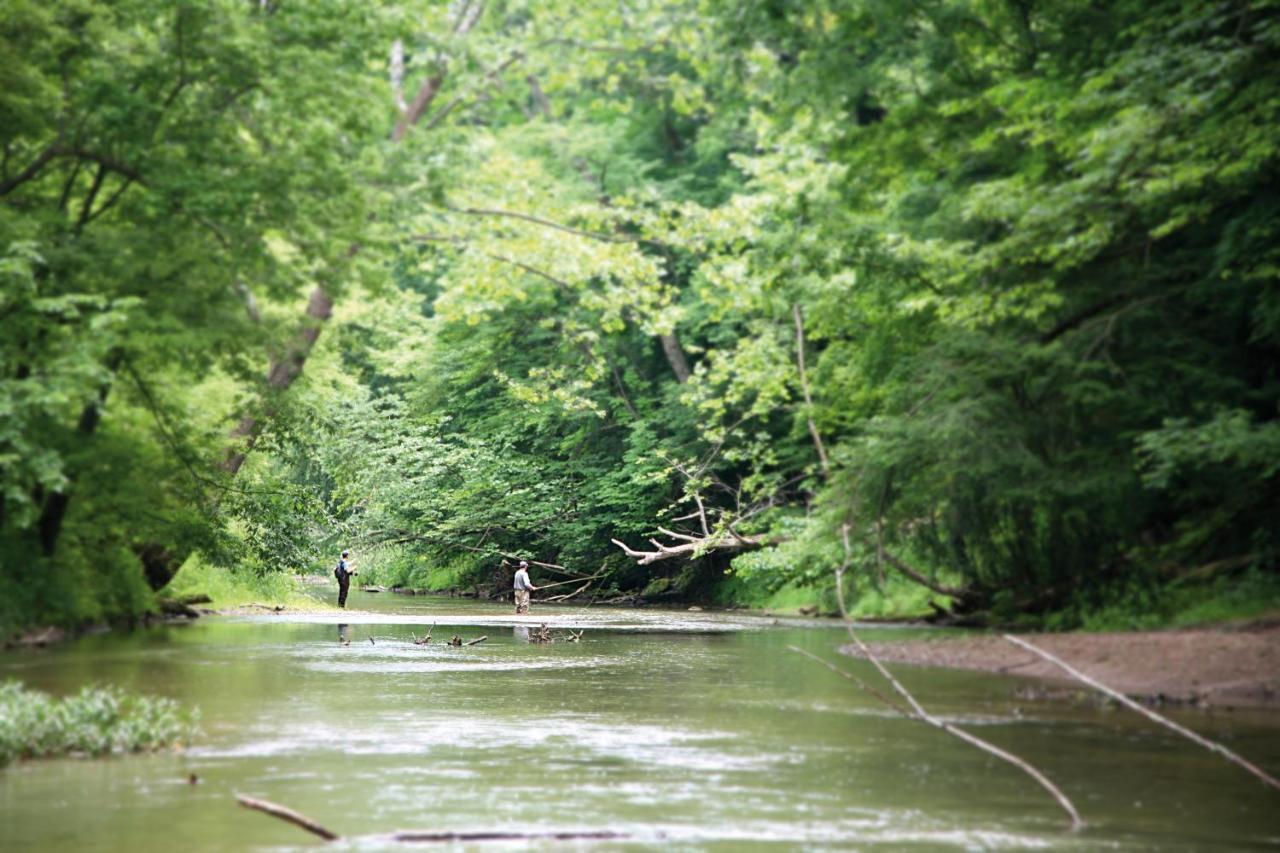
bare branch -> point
(42, 159)
(288, 815)
(1210, 745)
(918, 577)
(430, 87)
(721, 542)
(919, 713)
(538, 220)
(540, 102)
(804, 386)
(396, 73)
(444, 111)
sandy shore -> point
(1220, 668)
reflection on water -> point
(694, 730)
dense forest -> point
(979, 297)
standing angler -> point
(343, 574)
(523, 586)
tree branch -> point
(430, 88)
(804, 386)
(1210, 745)
(917, 710)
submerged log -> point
(286, 814)
(411, 836)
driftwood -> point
(415, 836)
(1210, 745)
(542, 634)
(425, 639)
(476, 640)
(411, 836)
(455, 640)
(285, 814)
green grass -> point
(1229, 599)
(230, 589)
(415, 572)
(95, 721)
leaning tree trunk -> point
(283, 371)
(281, 375)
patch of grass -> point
(95, 721)
(416, 572)
(228, 588)
(1139, 607)
(898, 599)
(734, 591)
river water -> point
(677, 730)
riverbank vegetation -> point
(95, 721)
(684, 293)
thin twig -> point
(1210, 745)
(918, 711)
(804, 387)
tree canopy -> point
(979, 295)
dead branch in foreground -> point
(1210, 745)
(916, 711)
(543, 634)
(415, 836)
(285, 814)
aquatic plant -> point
(95, 721)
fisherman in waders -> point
(343, 574)
(523, 586)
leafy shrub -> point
(95, 721)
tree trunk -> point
(55, 505)
(282, 373)
(675, 356)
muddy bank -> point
(1209, 668)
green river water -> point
(695, 731)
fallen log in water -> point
(476, 640)
(422, 836)
(286, 814)
(411, 836)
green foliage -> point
(232, 587)
(1032, 250)
(95, 721)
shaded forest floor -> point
(1223, 667)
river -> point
(678, 730)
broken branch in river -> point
(1213, 746)
(286, 814)
(916, 711)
